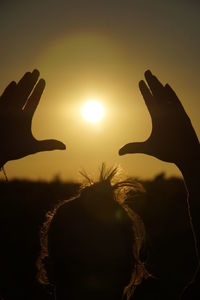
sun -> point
(93, 111)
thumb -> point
(49, 145)
(134, 148)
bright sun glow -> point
(93, 111)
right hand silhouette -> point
(17, 106)
(173, 138)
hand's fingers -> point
(134, 148)
(155, 85)
(34, 99)
(148, 98)
(48, 145)
(9, 91)
(24, 88)
(172, 96)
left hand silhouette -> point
(17, 106)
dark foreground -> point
(23, 207)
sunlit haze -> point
(92, 111)
(99, 50)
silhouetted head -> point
(91, 244)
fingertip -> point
(169, 89)
(49, 145)
(148, 73)
(121, 151)
(13, 83)
(134, 147)
(62, 146)
(10, 88)
(27, 74)
(35, 73)
(42, 82)
(141, 84)
(58, 145)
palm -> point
(17, 106)
(173, 138)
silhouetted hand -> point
(17, 106)
(173, 138)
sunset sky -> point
(99, 50)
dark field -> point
(162, 207)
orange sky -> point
(87, 49)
